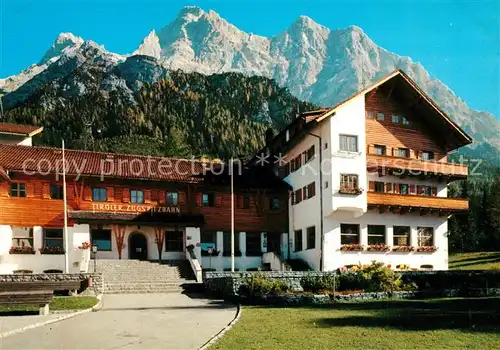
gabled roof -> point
(20, 129)
(445, 130)
(45, 160)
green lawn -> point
(475, 261)
(443, 323)
(58, 303)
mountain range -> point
(314, 63)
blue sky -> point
(458, 42)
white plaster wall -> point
(334, 258)
(349, 119)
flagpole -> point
(232, 217)
(65, 232)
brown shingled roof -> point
(20, 129)
(45, 160)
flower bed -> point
(52, 250)
(22, 250)
(426, 249)
(378, 247)
(403, 248)
(351, 247)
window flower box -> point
(427, 249)
(350, 190)
(52, 250)
(403, 248)
(22, 250)
(351, 247)
(85, 245)
(378, 247)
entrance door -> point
(274, 242)
(137, 246)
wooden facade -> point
(39, 209)
(416, 201)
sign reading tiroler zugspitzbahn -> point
(133, 208)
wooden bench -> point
(42, 298)
(40, 285)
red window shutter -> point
(371, 186)
(434, 190)
(154, 196)
(419, 190)
(412, 189)
(198, 199)
(182, 198)
(147, 196)
(46, 191)
(218, 200)
(161, 197)
(305, 195)
(239, 202)
(388, 187)
(313, 189)
(292, 196)
(110, 193)
(126, 195)
(30, 189)
(396, 188)
(87, 193)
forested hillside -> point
(181, 114)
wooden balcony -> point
(398, 203)
(415, 167)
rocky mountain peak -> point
(62, 43)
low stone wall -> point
(97, 279)
(227, 284)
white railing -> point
(195, 265)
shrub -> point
(351, 280)
(258, 284)
(317, 283)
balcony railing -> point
(414, 167)
(410, 202)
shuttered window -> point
(18, 190)
(99, 194)
(56, 191)
(137, 196)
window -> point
(425, 236)
(405, 121)
(174, 241)
(401, 236)
(379, 150)
(136, 196)
(348, 182)
(53, 237)
(297, 196)
(379, 187)
(18, 190)
(102, 239)
(296, 163)
(310, 154)
(22, 237)
(274, 203)
(425, 191)
(326, 145)
(298, 240)
(427, 155)
(403, 188)
(99, 194)
(208, 199)
(311, 237)
(172, 198)
(349, 234)
(370, 114)
(348, 143)
(380, 116)
(310, 191)
(56, 192)
(396, 119)
(376, 234)
(253, 244)
(226, 236)
(242, 202)
(209, 237)
(403, 152)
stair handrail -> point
(195, 264)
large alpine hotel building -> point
(381, 194)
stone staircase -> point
(136, 276)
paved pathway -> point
(133, 321)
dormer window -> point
(380, 116)
(427, 155)
(396, 119)
(379, 150)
